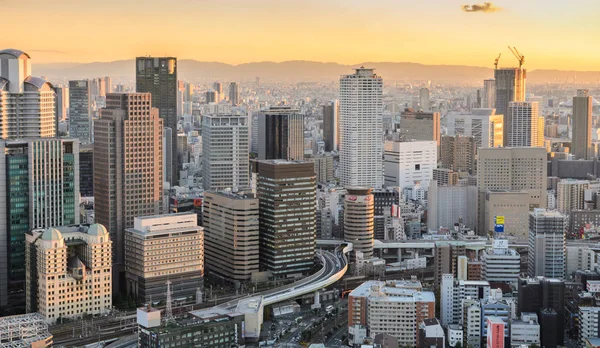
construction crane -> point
(519, 56)
(496, 61)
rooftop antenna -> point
(496, 61)
(519, 56)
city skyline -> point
(275, 31)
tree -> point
(458, 345)
(534, 346)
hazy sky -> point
(550, 33)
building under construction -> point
(28, 330)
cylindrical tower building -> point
(359, 209)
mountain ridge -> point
(303, 70)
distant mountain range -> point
(306, 71)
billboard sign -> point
(499, 224)
(495, 332)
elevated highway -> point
(334, 266)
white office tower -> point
(409, 163)
(27, 103)
(225, 149)
(424, 99)
(484, 125)
(489, 94)
(523, 125)
(500, 263)
(546, 255)
(361, 129)
(570, 195)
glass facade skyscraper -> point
(41, 189)
(158, 76)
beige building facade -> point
(163, 248)
(69, 271)
(231, 234)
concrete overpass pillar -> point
(317, 303)
(399, 254)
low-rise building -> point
(471, 321)
(163, 248)
(373, 303)
(588, 323)
(215, 330)
(454, 292)
(500, 263)
(69, 271)
(525, 331)
(455, 335)
(431, 334)
(26, 330)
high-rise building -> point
(361, 129)
(513, 206)
(225, 149)
(581, 145)
(231, 235)
(484, 125)
(218, 87)
(254, 133)
(128, 171)
(164, 248)
(27, 103)
(420, 126)
(80, 257)
(168, 154)
(445, 259)
(458, 153)
(471, 319)
(489, 94)
(408, 163)
(445, 177)
(448, 205)
(211, 97)
(546, 255)
(331, 126)
(359, 225)
(424, 99)
(453, 292)
(524, 125)
(323, 167)
(372, 303)
(546, 297)
(571, 195)
(62, 103)
(158, 76)
(107, 85)
(40, 189)
(234, 93)
(281, 134)
(86, 170)
(512, 169)
(80, 111)
(287, 240)
(510, 87)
